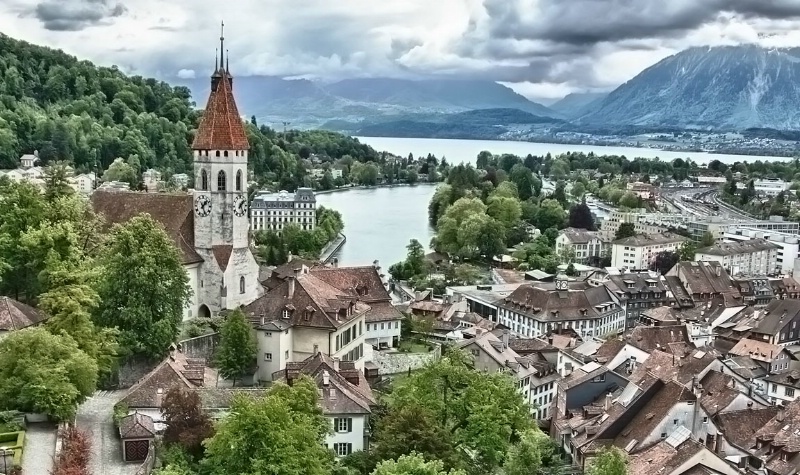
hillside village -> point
(665, 340)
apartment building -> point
(770, 186)
(639, 252)
(788, 245)
(751, 257)
(583, 245)
(273, 211)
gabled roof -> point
(505, 357)
(718, 392)
(345, 391)
(221, 127)
(16, 315)
(222, 254)
(650, 240)
(151, 389)
(543, 303)
(364, 279)
(648, 338)
(635, 282)
(173, 211)
(703, 277)
(758, 350)
(137, 426)
(663, 458)
(738, 247)
(666, 366)
(579, 235)
(739, 427)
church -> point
(209, 226)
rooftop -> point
(579, 235)
(221, 127)
(580, 302)
(738, 247)
(16, 315)
(650, 240)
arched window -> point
(203, 179)
(221, 181)
(241, 284)
(239, 180)
(218, 153)
(225, 153)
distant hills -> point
(721, 88)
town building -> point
(752, 257)
(536, 376)
(788, 258)
(584, 246)
(319, 309)
(755, 291)
(345, 396)
(273, 211)
(697, 283)
(777, 324)
(644, 222)
(84, 183)
(770, 186)
(638, 291)
(773, 358)
(775, 447)
(29, 160)
(151, 179)
(537, 309)
(481, 299)
(639, 252)
(783, 388)
(210, 226)
(717, 226)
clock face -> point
(202, 206)
(239, 206)
(561, 285)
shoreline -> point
(332, 248)
(365, 187)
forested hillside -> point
(72, 110)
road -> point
(40, 448)
(94, 417)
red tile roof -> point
(221, 127)
(223, 254)
(16, 315)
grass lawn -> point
(413, 347)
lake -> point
(379, 222)
(466, 151)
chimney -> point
(505, 339)
(316, 349)
(289, 257)
(780, 415)
(336, 364)
(607, 402)
(719, 271)
(326, 378)
(263, 319)
(376, 264)
(290, 293)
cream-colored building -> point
(753, 257)
(639, 252)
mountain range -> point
(713, 88)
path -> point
(40, 448)
(330, 249)
(94, 417)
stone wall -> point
(392, 362)
(131, 370)
(200, 347)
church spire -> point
(222, 45)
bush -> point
(11, 421)
(75, 452)
(120, 410)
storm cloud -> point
(537, 46)
(75, 15)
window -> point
(286, 354)
(343, 424)
(239, 180)
(241, 284)
(475, 352)
(217, 153)
(267, 356)
(221, 181)
(663, 435)
(285, 313)
(675, 421)
(225, 153)
(789, 392)
(342, 449)
(774, 388)
(268, 334)
(203, 179)
(705, 418)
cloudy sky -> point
(541, 48)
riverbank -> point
(332, 248)
(364, 187)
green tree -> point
(625, 230)
(413, 464)
(506, 210)
(46, 373)
(237, 347)
(121, 171)
(282, 433)
(535, 452)
(610, 461)
(578, 190)
(550, 215)
(522, 177)
(580, 216)
(687, 251)
(143, 287)
(484, 412)
(23, 209)
(56, 181)
(629, 200)
(467, 274)
(707, 240)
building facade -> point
(770, 186)
(751, 257)
(580, 244)
(273, 211)
(788, 245)
(639, 252)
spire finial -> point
(221, 44)
(216, 57)
(227, 61)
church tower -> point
(229, 275)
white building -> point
(209, 226)
(752, 257)
(582, 244)
(534, 310)
(770, 186)
(788, 244)
(318, 173)
(319, 309)
(783, 388)
(712, 179)
(150, 178)
(181, 180)
(383, 330)
(273, 211)
(536, 379)
(639, 252)
(83, 183)
(29, 160)
(345, 397)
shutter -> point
(349, 424)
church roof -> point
(221, 127)
(173, 211)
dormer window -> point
(285, 313)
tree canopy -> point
(143, 287)
(237, 349)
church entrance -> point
(203, 312)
